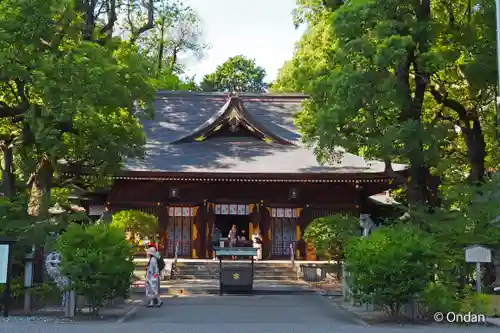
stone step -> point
(257, 269)
(195, 270)
(209, 270)
(216, 270)
(215, 277)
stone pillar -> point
(28, 280)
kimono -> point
(257, 243)
(152, 279)
(232, 238)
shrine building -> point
(214, 159)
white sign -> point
(4, 262)
(477, 253)
(96, 210)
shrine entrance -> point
(227, 215)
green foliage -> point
(137, 223)
(330, 234)
(440, 297)
(477, 303)
(410, 83)
(237, 74)
(391, 266)
(15, 223)
(66, 99)
(176, 35)
(45, 292)
(99, 262)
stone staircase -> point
(209, 270)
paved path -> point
(264, 312)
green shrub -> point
(138, 223)
(390, 267)
(440, 297)
(99, 262)
(39, 291)
(477, 303)
(331, 233)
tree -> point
(412, 83)
(177, 33)
(69, 95)
(238, 74)
(398, 86)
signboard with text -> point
(477, 253)
(4, 262)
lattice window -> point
(283, 235)
(321, 213)
(179, 231)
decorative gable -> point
(232, 121)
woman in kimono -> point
(153, 279)
(257, 243)
(233, 238)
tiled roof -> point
(179, 114)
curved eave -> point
(259, 128)
(208, 125)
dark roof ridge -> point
(185, 93)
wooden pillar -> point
(305, 220)
(197, 225)
(209, 226)
(255, 219)
(162, 215)
(265, 228)
(200, 227)
(165, 217)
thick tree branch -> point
(112, 18)
(20, 95)
(390, 171)
(136, 33)
(442, 98)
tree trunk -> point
(476, 149)
(40, 188)
(8, 177)
(161, 46)
(173, 59)
(496, 265)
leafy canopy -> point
(238, 74)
